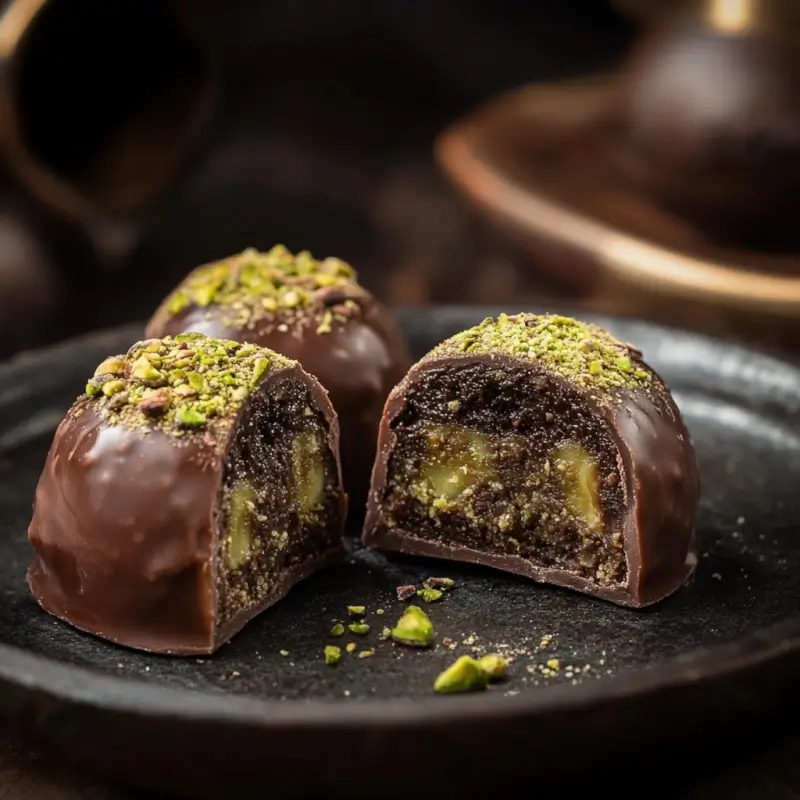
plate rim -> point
(82, 686)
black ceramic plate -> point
(714, 659)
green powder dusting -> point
(183, 384)
(579, 352)
(257, 288)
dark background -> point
(321, 138)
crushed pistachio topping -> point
(183, 384)
(414, 628)
(464, 675)
(579, 352)
(253, 287)
(430, 595)
(332, 654)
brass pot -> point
(709, 113)
(542, 163)
(100, 102)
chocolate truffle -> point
(191, 486)
(542, 446)
(310, 310)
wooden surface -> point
(773, 774)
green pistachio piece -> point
(332, 655)
(197, 381)
(493, 665)
(111, 366)
(93, 389)
(112, 387)
(578, 470)
(356, 611)
(240, 511)
(430, 595)
(178, 302)
(414, 628)
(189, 417)
(308, 470)
(360, 628)
(464, 675)
(259, 368)
(337, 629)
(204, 295)
(144, 371)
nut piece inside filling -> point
(578, 471)
(456, 459)
(242, 506)
(309, 471)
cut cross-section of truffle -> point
(311, 310)
(191, 486)
(542, 446)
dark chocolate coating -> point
(358, 362)
(660, 473)
(125, 535)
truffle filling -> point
(508, 462)
(279, 497)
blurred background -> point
(634, 157)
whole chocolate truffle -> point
(313, 311)
(188, 489)
(542, 446)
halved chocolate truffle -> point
(310, 310)
(192, 485)
(543, 446)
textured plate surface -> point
(717, 653)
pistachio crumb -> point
(366, 654)
(380, 612)
(430, 595)
(414, 628)
(350, 647)
(493, 665)
(284, 653)
(464, 675)
(332, 654)
(337, 629)
(359, 628)
(356, 611)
